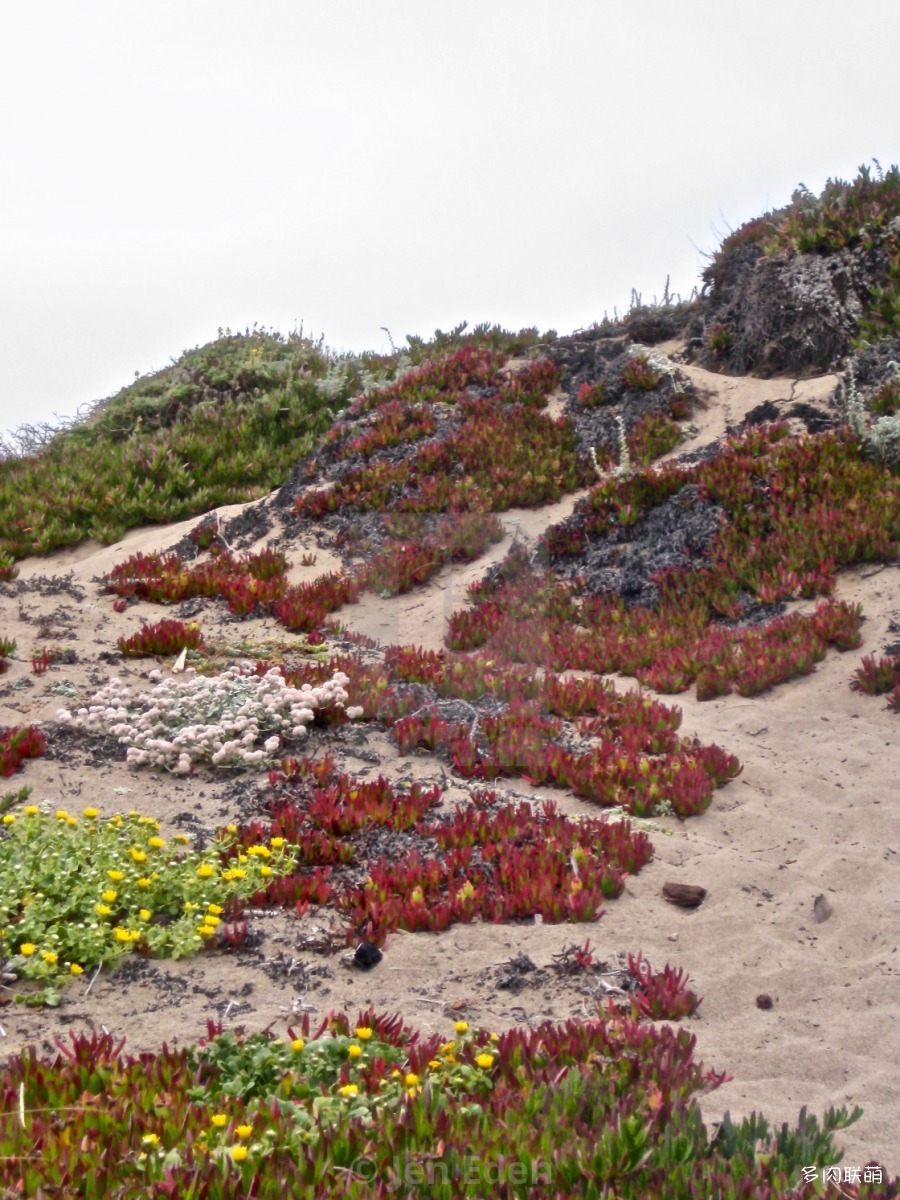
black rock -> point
(367, 956)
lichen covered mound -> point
(791, 292)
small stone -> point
(764, 1001)
(367, 956)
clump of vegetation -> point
(165, 637)
(18, 743)
(224, 424)
(640, 374)
(879, 438)
(80, 891)
(368, 1106)
(879, 677)
(7, 650)
(217, 720)
(847, 213)
(718, 338)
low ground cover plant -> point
(858, 211)
(370, 1108)
(18, 743)
(500, 456)
(879, 677)
(218, 720)
(258, 582)
(79, 891)
(164, 638)
(497, 862)
(7, 650)
(793, 512)
(223, 424)
(621, 749)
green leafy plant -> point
(80, 891)
(362, 1107)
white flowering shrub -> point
(218, 719)
(883, 436)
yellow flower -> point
(412, 1092)
(145, 914)
(354, 1051)
(74, 969)
(434, 1064)
(231, 828)
(138, 855)
(181, 838)
(485, 1060)
(461, 1026)
(363, 1033)
(27, 948)
(90, 813)
(265, 872)
(411, 1080)
(297, 1045)
(9, 819)
(61, 814)
(157, 843)
(116, 876)
(127, 935)
(150, 1139)
(206, 930)
(109, 895)
(143, 883)
(102, 910)
(495, 1037)
(31, 810)
(205, 871)
(278, 842)
(238, 1153)
(447, 1047)
(73, 821)
(244, 1131)
(238, 872)
(219, 1120)
(349, 1089)
(215, 909)
(49, 957)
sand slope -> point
(814, 813)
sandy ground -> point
(811, 815)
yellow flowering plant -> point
(79, 892)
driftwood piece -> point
(686, 895)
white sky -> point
(172, 166)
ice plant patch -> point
(163, 638)
(496, 862)
(371, 1102)
(18, 743)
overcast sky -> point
(173, 166)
